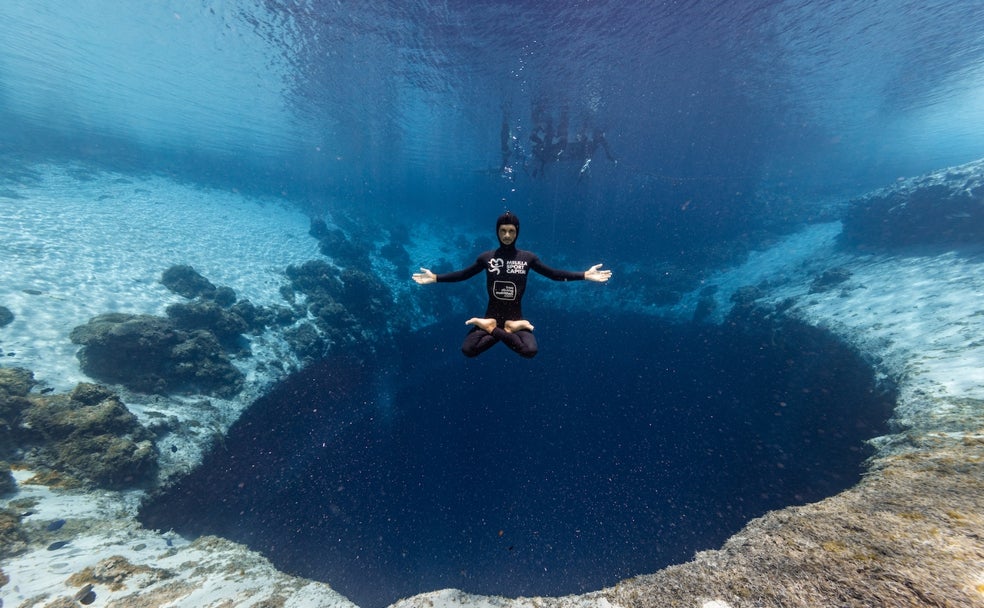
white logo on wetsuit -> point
(516, 267)
(504, 290)
(495, 265)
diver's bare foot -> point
(514, 326)
(485, 324)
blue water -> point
(728, 120)
(396, 107)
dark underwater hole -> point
(626, 446)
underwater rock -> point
(315, 278)
(186, 281)
(349, 306)
(367, 296)
(398, 255)
(706, 305)
(337, 246)
(15, 384)
(224, 296)
(318, 229)
(8, 484)
(940, 209)
(87, 393)
(829, 279)
(259, 317)
(199, 364)
(86, 595)
(745, 309)
(150, 354)
(16, 381)
(209, 315)
(306, 342)
(6, 317)
(334, 322)
(92, 435)
(115, 571)
(13, 540)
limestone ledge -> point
(126, 565)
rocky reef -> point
(86, 436)
(943, 209)
(347, 305)
(188, 351)
(151, 354)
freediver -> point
(506, 270)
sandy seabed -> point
(909, 534)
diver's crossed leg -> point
(517, 335)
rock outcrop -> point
(940, 209)
(153, 354)
(88, 435)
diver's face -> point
(507, 234)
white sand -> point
(101, 245)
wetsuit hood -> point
(507, 218)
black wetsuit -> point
(506, 270)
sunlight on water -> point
(160, 77)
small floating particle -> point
(55, 525)
(58, 544)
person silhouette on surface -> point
(506, 270)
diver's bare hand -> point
(596, 274)
(424, 277)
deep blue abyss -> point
(626, 446)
